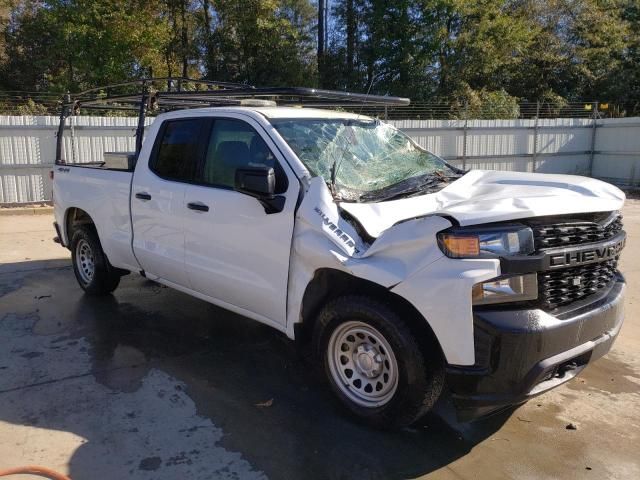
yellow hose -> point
(34, 470)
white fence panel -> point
(28, 150)
(611, 151)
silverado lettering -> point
(334, 228)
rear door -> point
(235, 252)
(158, 198)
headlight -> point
(515, 288)
(486, 242)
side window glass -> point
(234, 144)
(176, 156)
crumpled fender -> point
(323, 239)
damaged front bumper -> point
(523, 353)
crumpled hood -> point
(483, 196)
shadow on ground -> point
(227, 365)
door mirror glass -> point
(259, 182)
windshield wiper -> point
(332, 185)
(432, 181)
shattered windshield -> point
(361, 159)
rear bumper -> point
(523, 353)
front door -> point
(235, 252)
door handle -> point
(143, 196)
(200, 207)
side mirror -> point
(259, 182)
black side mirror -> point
(259, 182)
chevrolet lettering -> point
(585, 256)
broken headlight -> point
(486, 242)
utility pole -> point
(594, 128)
(535, 138)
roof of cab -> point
(297, 112)
(275, 112)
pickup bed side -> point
(103, 195)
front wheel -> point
(374, 363)
(90, 265)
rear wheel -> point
(374, 364)
(90, 265)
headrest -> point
(233, 152)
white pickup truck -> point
(403, 274)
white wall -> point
(27, 147)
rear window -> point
(176, 156)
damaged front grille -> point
(562, 287)
(576, 231)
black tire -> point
(105, 278)
(419, 381)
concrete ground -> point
(152, 384)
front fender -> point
(441, 292)
(405, 258)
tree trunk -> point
(185, 39)
(351, 40)
(321, 41)
(208, 37)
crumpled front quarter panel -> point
(405, 259)
(442, 293)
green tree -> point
(273, 45)
(488, 53)
(68, 45)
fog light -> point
(515, 288)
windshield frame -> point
(349, 194)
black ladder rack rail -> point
(163, 94)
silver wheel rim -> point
(85, 261)
(362, 364)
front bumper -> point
(523, 353)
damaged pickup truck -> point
(402, 274)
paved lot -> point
(152, 384)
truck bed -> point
(104, 194)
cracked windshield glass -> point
(363, 159)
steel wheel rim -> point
(85, 261)
(362, 364)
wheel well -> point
(329, 283)
(75, 218)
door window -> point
(177, 153)
(234, 144)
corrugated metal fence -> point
(605, 148)
(28, 150)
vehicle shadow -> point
(246, 378)
(232, 366)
